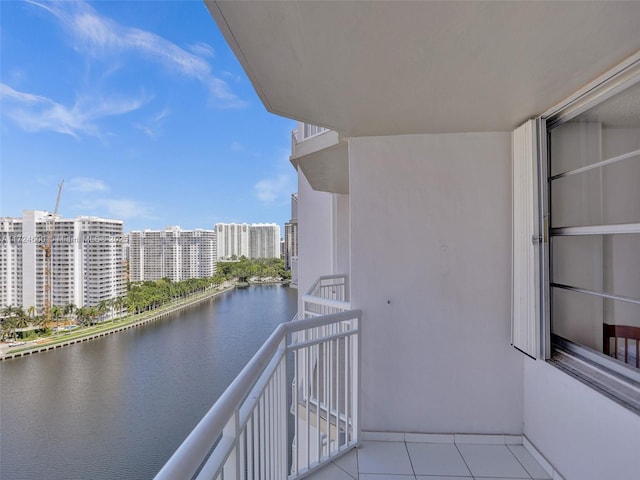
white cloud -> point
(6, 92)
(86, 185)
(153, 126)
(36, 113)
(95, 35)
(125, 208)
(275, 189)
(202, 49)
(118, 208)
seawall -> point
(148, 318)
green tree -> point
(102, 309)
(84, 317)
(56, 314)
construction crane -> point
(48, 283)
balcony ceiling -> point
(395, 67)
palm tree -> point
(93, 314)
(56, 314)
(119, 304)
(40, 322)
(13, 318)
(21, 320)
(102, 308)
(7, 322)
(84, 316)
(8, 327)
(69, 309)
(7, 311)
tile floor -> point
(378, 460)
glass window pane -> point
(606, 195)
(574, 145)
(581, 318)
(604, 263)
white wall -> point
(582, 433)
(431, 269)
(314, 235)
(342, 242)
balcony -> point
(293, 412)
(293, 408)
(323, 157)
(328, 295)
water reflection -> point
(118, 407)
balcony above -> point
(322, 156)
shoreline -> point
(144, 318)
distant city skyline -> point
(145, 113)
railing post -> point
(358, 385)
(231, 430)
(283, 423)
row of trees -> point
(148, 295)
(244, 269)
(140, 297)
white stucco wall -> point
(314, 235)
(431, 269)
(582, 433)
(342, 226)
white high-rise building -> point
(232, 240)
(10, 262)
(86, 260)
(291, 236)
(264, 240)
(172, 253)
(100, 260)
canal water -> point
(119, 406)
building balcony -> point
(293, 412)
(323, 157)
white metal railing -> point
(249, 431)
(304, 131)
(329, 294)
(309, 130)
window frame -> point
(615, 379)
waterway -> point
(119, 406)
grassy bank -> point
(111, 326)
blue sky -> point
(142, 109)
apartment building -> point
(100, 261)
(87, 266)
(264, 240)
(232, 240)
(291, 241)
(291, 234)
(10, 262)
(494, 148)
(171, 253)
(258, 240)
